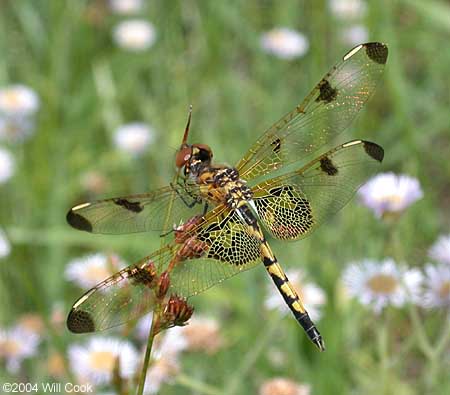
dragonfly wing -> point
(125, 296)
(157, 210)
(293, 205)
(326, 111)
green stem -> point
(148, 350)
(383, 355)
(444, 338)
(434, 355)
(197, 386)
(423, 341)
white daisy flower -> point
(348, 9)
(5, 246)
(355, 35)
(203, 334)
(388, 193)
(440, 250)
(95, 361)
(161, 371)
(284, 43)
(382, 283)
(283, 386)
(312, 296)
(89, 270)
(134, 138)
(134, 35)
(437, 286)
(16, 129)
(124, 7)
(16, 344)
(7, 165)
(18, 101)
(173, 342)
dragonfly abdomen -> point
(290, 295)
(280, 279)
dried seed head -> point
(176, 313)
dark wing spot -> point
(378, 52)
(327, 93)
(135, 207)
(276, 144)
(328, 167)
(80, 321)
(78, 221)
(143, 276)
(374, 150)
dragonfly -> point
(226, 211)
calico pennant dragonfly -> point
(222, 208)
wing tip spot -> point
(80, 321)
(376, 51)
(77, 221)
(374, 150)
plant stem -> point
(423, 341)
(433, 356)
(383, 355)
(148, 350)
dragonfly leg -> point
(205, 208)
(196, 199)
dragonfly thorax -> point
(223, 185)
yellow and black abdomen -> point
(281, 281)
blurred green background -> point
(208, 54)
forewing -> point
(157, 210)
(125, 296)
(293, 205)
(325, 112)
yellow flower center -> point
(277, 38)
(382, 284)
(394, 199)
(444, 290)
(12, 99)
(9, 348)
(103, 360)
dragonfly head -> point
(193, 157)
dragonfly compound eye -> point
(183, 155)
